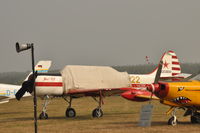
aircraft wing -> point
(147, 97)
(95, 92)
(138, 95)
(4, 99)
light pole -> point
(22, 47)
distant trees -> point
(192, 68)
(136, 69)
(12, 77)
(18, 77)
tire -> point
(43, 116)
(172, 122)
(70, 112)
(97, 113)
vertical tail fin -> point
(171, 66)
(41, 67)
(176, 68)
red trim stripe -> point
(49, 84)
(173, 74)
(175, 63)
(174, 57)
(175, 68)
(171, 51)
(139, 85)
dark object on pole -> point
(30, 83)
(27, 86)
(22, 47)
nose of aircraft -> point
(153, 88)
(160, 89)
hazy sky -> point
(98, 32)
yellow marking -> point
(42, 69)
(148, 97)
(135, 79)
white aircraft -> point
(94, 81)
(8, 91)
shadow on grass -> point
(121, 113)
(77, 118)
(157, 123)
(135, 123)
(16, 119)
(124, 123)
(9, 113)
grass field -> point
(120, 116)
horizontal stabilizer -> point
(3, 98)
(3, 101)
(183, 75)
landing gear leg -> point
(44, 115)
(173, 120)
(70, 112)
(97, 112)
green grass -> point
(120, 116)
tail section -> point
(41, 67)
(176, 68)
(171, 66)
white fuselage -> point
(9, 91)
(141, 78)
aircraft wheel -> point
(43, 116)
(172, 121)
(70, 112)
(97, 113)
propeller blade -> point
(158, 72)
(20, 93)
(157, 77)
(26, 86)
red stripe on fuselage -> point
(49, 84)
(139, 85)
(174, 57)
